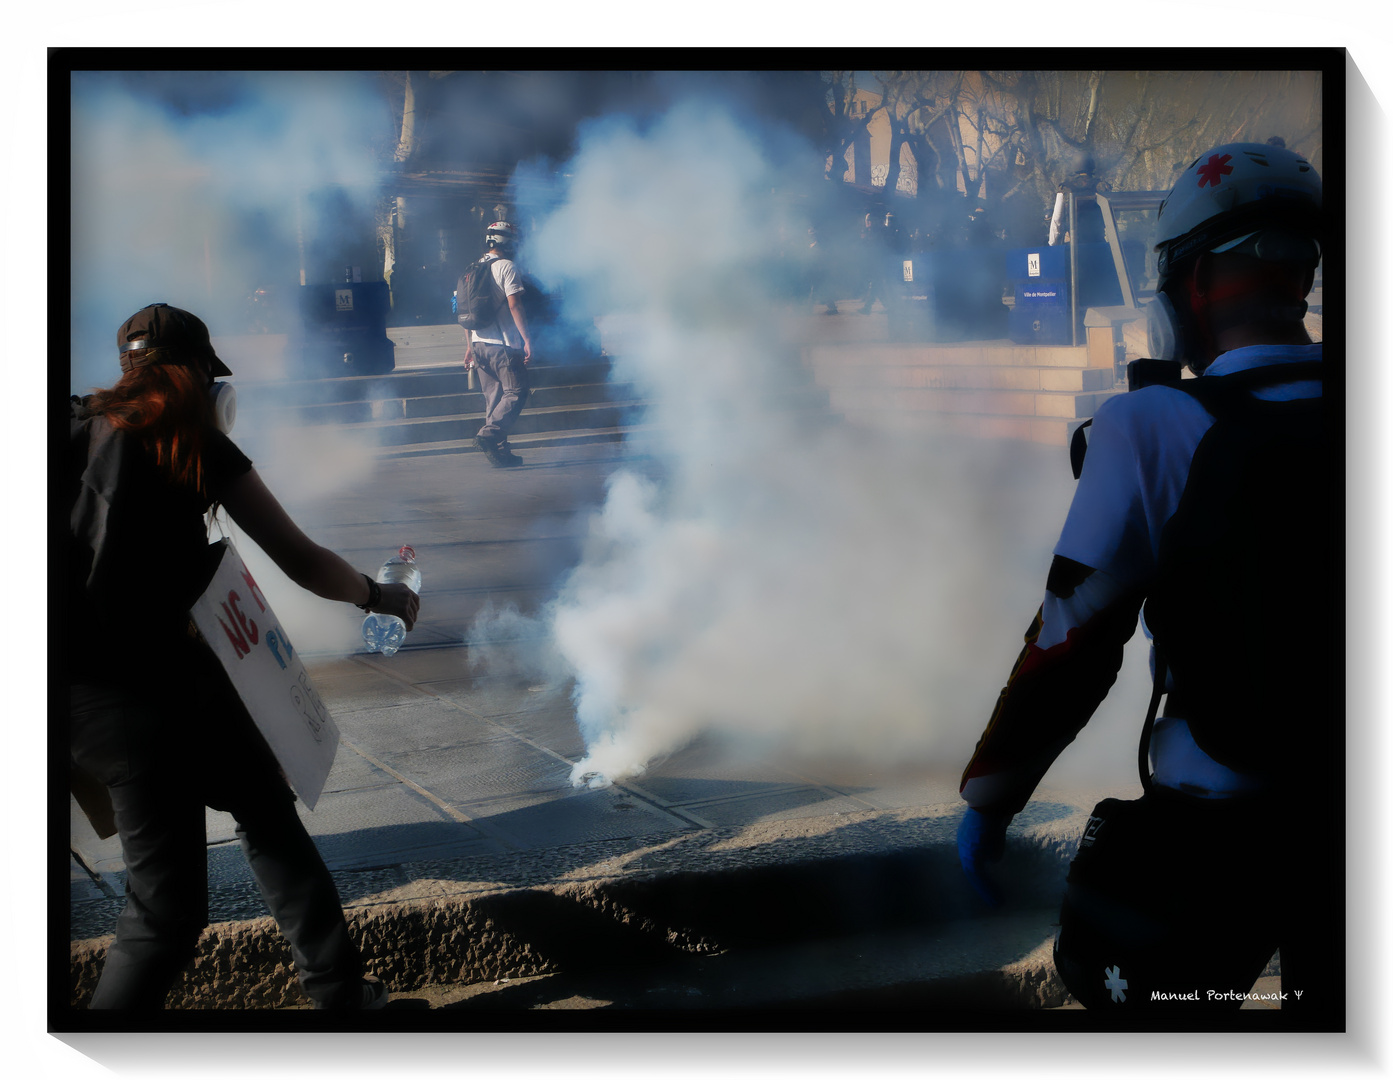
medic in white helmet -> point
(1239, 241)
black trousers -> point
(164, 756)
(1176, 904)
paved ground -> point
(452, 787)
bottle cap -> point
(406, 551)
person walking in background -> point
(502, 349)
(896, 244)
(1209, 504)
(875, 254)
(152, 715)
(821, 288)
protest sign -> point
(237, 622)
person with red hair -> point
(153, 717)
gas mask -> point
(1174, 333)
(1269, 294)
(1165, 334)
(223, 397)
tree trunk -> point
(390, 229)
(954, 121)
(406, 145)
(387, 241)
(892, 171)
(1095, 80)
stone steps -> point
(1060, 405)
(963, 377)
(400, 384)
(463, 425)
(968, 354)
(992, 389)
(447, 401)
(1047, 431)
(433, 410)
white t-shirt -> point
(508, 282)
(1138, 461)
(1137, 464)
(1139, 457)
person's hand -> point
(982, 840)
(400, 601)
(526, 352)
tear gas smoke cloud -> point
(313, 625)
(785, 584)
(187, 189)
(302, 466)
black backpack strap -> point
(1220, 389)
(1078, 447)
(1158, 687)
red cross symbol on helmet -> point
(1214, 168)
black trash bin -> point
(965, 293)
(343, 331)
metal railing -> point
(1110, 203)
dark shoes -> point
(498, 454)
(372, 994)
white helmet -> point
(501, 234)
(1233, 193)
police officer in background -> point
(1088, 217)
(1209, 501)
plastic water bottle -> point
(385, 633)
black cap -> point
(161, 334)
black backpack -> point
(1244, 610)
(476, 301)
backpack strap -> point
(1223, 389)
(1078, 447)
(1212, 392)
(1158, 687)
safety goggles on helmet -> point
(1273, 245)
(501, 234)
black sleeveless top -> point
(137, 552)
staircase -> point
(995, 389)
(426, 405)
(433, 410)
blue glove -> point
(982, 840)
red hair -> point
(168, 407)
